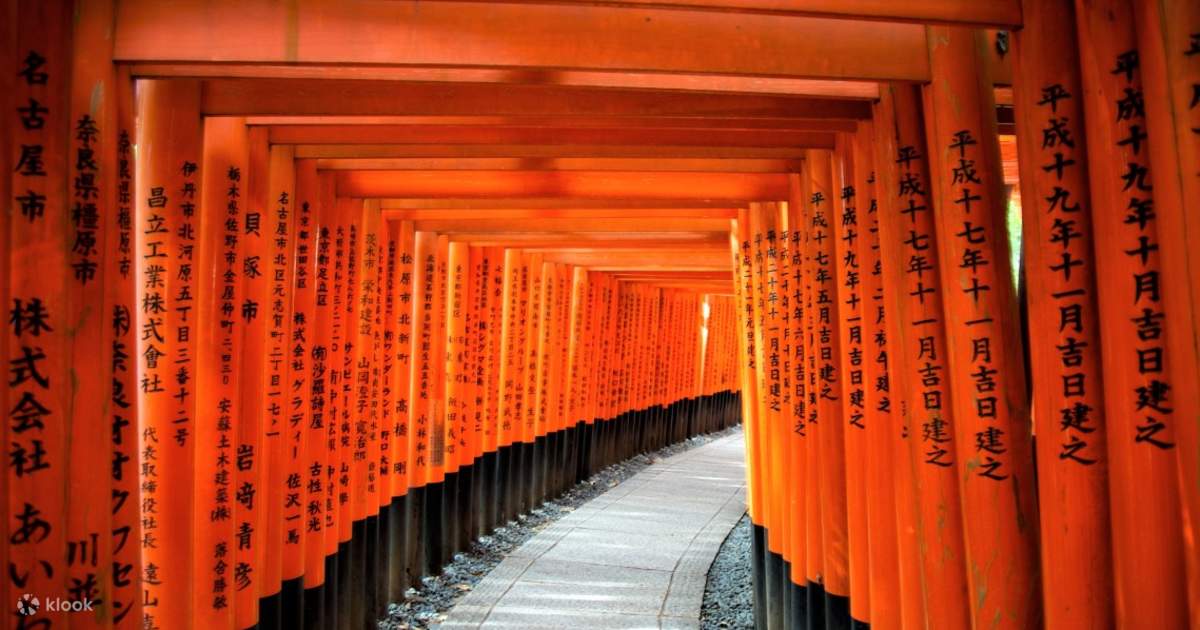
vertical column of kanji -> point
(800, 193)
(579, 278)
(365, 396)
(8, 82)
(768, 406)
(39, 314)
(169, 140)
(795, 409)
(533, 329)
(454, 362)
(248, 512)
(226, 151)
(362, 471)
(334, 224)
(91, 158)
(317, 443)
(827, 349)
(903, 466)
(846, 231)
(477, 362)
(774, 326)
(545, 372)
(491, 426)
(884, 569)
(419, 386)
(120, 305)
(1169, 43)
(350, 215)
(385, 325)
(278, 220)
(301, 502)
(1148, 552)
(985, 357)
(402, 320)
(1067, 384)
(438, 396)
(917, 335)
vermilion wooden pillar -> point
(881, 427)
(37, 343)
(303, 485)
(169, 145)
(91, 137)
(1137, 337)
(1069, 413)
(218, 369)
(913, 294)
(1169, 47)
(847, 229)
(277, 223)
(320, 445)
(984, 364)
(251, 465)
(120, 291)
(826, 350)
(800, 442)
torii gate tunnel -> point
(302, 297)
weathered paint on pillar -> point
(984, 360)
(1169, 46)
(1148, 556)
(169, 146)
(1064, 348)
(913, 299)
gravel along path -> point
(425, 607)
(728, 595)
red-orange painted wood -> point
(984, 360)
(1069, 412)
(168, 194)
(1147, 531)
(1168, 31)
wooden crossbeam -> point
(624, 226)
(510, 135)
(537, 151)
(696, 82)
(554, 203)
(615, 212)
(584, 184)
(690, 122)
(514, 35)
(349, 97)
(692, 165)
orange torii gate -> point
(297, 311)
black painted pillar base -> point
(774, 569)
(485, 501)
(758, 576)
(291, 604)
(816, 606)
(431, 529)
(797, 595)
(345, 591)
(837, 612)
(397, 552)
(268, 612)
(331, 591)
(414, 564)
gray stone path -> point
(635, 557)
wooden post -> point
(984, 364)
(882, 427)
(913, 299)
(1147, 531)
(169, 145)
(218, 370)
(1169, 47)
(249, 531)
(846, 230)
(1072, 464)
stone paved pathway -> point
(635, 557)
